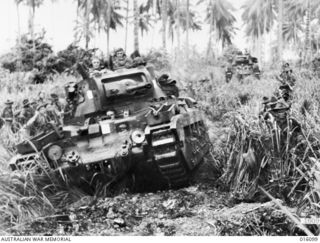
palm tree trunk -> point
(263, 55)
(127, 21)
(178, 25)
(209, 48)
(307, 37)
(164, 14)
(87, 24)
(31, 29)
(187, 28)
(19, 37)
(136, 25)
(280, 24)
(108, 26)
(259, 43)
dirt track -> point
(196, 210)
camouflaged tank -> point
(118, 123)
(244, 66)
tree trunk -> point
(108, 26)
(87, 24)
(187, 28)
(164, 13)
(19, 37)
(136, 25)
(280, 24)
(127, 21)
(31, 29)
(209, 48)
(307, 48)
(178, 25)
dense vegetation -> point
(253, 163)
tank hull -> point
(157, 140)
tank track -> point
(168, 158)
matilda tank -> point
(243, 66)
(122, 122)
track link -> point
(168, 158)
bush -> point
(158, 58)
(43, 63)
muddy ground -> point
(198, 210)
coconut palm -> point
(164, 17)
(32, 4)
(103, 13)
(220, 20)
(17, 2)
(127, 24)
(179, 19)
(187, 12)
(178, 16)
(291, 29)
(258, 16)
(136, 25)
(280, 26)
(308, 10)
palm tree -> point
(180, 19)
(258, 16)
(308, 10)
(127, 22)
(291, 29)
(17, 2)
(136, 25)
(176, 17)
(164, 15)
(104, 13)
(87, 23)
(220, 20)
(280, 26)
(32, 4)
(187, 27)
(307, 37)
(178, 25)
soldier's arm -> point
(32, 120)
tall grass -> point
(245, 146)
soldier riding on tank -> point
(7, 112)
(120, 60)
(97, 67)
(26, 112)
(40, 122)
(118, 124)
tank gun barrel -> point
(138, 87)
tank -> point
(243, 66)
(118, 123)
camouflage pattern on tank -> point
(122, 122)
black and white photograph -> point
(159, 118)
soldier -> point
(54, 115)
(39, 122)
(8, 118)
(56, 102)
(120, 60)
(228, 71)
(41, 98)
(7, 112)
(97, 67)
(168, 85)
(285, 92)
(248, 56)
(286, 75)
(26, 112)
